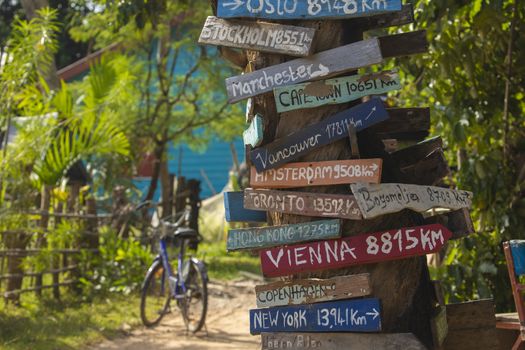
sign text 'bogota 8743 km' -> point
(304, 9)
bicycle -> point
(188, 286)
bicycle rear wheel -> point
(195, 304)
(155, 295)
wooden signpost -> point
(356, 250)
(360, 315)
(326, 63)
(340, 341)
(264, 237)
(269, 37)
(298, 292)
(302, 9)
(336, 172)
(404, 124)
(235, 212)
(253, 136)
(334, 91)
(303, 203)
(327, 131)
(375, 200)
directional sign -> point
(337, 316)
(235, 212)
(327, 131)
(356, 250)
(340, 341)
(310, 291)
(260, 36)
(334, 91)
(303, 203)
(264, 237)
(253, 136)
(302, 9)
(335, 172)
(375, 200)
(327, 63)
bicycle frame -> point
(179, 282)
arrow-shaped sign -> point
(337, 316)
(329, 130)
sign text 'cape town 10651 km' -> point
(334, 172)
(334, 91)
(303, 203)
(325, 132)
(356, 250)
(304, 9)
(269, 37)
(361, 315)
(323, 64)
(375, 200)
(297, 292)
(263, 237)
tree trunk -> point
(18, 241)
(403, 286)
(166, 188)
(158, 153)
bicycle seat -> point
(185, 233)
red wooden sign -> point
(356, 250)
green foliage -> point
(120, 266)
(463, 80)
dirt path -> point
(228, 325)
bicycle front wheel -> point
(195, 304)
(155, 296)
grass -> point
(72, 324)
(49, 325)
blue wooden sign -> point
(338, 316)
(327, 131)
(235, 212)
(302, 9)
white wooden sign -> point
(260, 36)
(375, 200)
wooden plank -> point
(298, 292)
(325, 132)
(356, 250)
(428, 171)
(259, 36)
(415, 153)
(405, 16)
(235, 212)
(362, 315)
(404, 44)
(303, 203)
(339, 341)
(375, 200)
(404, 124)
(334, 91)
(439, 327)
(300, 9)
(324, 64)
(458, 222)
(264, 237)
(335, 172)
(254, 135)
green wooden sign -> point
(334, 91)
(253, 136)
(264, 237)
